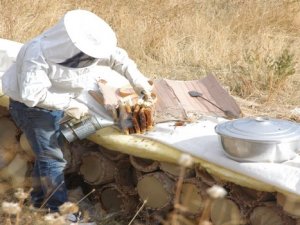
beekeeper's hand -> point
(125, 117)
(148, 98)
(143, 85)
(76, 109)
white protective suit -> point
(36, 79)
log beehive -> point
(9, 144)
(144, 165)
(25, 146)
(270, 214)
(113, 200)
(173, 170)
(126, 176)
(96, 169)
(289, 204)
(156, 189)
(193, 196)
(15, 171)
(225, 211)
(111, 155)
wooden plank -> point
(210, 90)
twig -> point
(140, 209)
(8, 221)
(177, 194)
(84, 197)
(44, 203)
(181, 208)
(206, 211)
(17, 218)
(183, 220)
(179, 185)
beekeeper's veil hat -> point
(78, 31)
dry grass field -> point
(251, 46)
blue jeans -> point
(42, 130)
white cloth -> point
(37, 80)
(200, 140)
(8, 51)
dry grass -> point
(251, 46)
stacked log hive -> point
(13, 159)
(96, 169)
(157, 190)
(125, 182)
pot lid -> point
(260, 129)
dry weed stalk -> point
(138, 211)
(15, 208)
(214, 192)
(174, 217)
(51, 194)
(11, 208)
(84, 197)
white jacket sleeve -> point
(121, 63)
(34, 83)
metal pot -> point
(260, 139)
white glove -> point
(148, 98)
(76, 109)
(142, 85)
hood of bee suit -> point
(78, 31)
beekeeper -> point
(50, 72)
